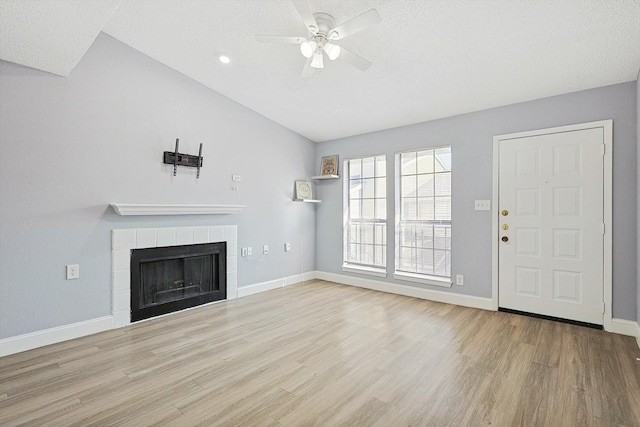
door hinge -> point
(603, 149)
(603, 308)
(603, 228)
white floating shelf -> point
(127, 209)
(307, 200)
(326, 177)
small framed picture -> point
(329, 165)
(303, 190)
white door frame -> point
(607, 128)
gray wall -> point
(70, 146)
(471, 138)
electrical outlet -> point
(265, 249)
(460, 279)
(483, 205)
(249, 251)
(243, 252)
(73, 271)
(287, 247)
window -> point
(365, 229)
(423, 216)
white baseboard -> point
(410, 291)
(244, 291)
(624, 327)
(58, 334)
(37, 339)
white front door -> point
(551, 224)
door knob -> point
(505, 239)
(505, 212)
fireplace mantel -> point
(128, 209)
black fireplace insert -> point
(168, 279)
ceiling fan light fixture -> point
(307, 48)
(317, 61)
(332, 50)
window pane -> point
(381, 166)
(355, 168)
(443, 184)
(366, 232)
(439, 238)
(443, 159)
(353, 233)
(440, 261)
(381, 234)
(443, 208)
(408, 163)
(368, 167)
(354, 209)
(408, 209)
(425, 261)
(425, 161)
(425, 209)
(368, 209)
(407, 235)
(367, 188)
(355, 189)
(408, 185)
(381, 187)
(379, 255)
(367, 254)
(406, 261)
(381, 209)
(425, 185)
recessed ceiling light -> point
(224, 59)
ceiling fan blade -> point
(307, 71)
(359, 23)
(353, 59)
(280, 39)
(305, 13)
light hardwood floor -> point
(324, 354)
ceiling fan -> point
(322, 33)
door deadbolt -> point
(505, 239)
(505, 212)
(505, 226)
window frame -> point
(424, 278)
(349, 265)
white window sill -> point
(371, 271)
(422, 278)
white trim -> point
(422, 278)
(410, 291)
(256, 288)
(369, 271)
(127, 209)
(62, 333)
(37, 339)
(607, 129)
(625, 327)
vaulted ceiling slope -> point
(431, 58)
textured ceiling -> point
(431, 59)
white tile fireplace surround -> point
(124, 240)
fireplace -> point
(168, 279)
(125, 240)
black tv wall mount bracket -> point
(179, 159)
